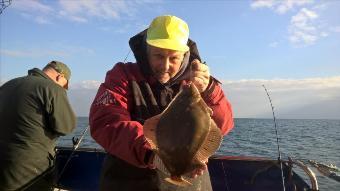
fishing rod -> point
(4, 4)
(277, 138)
(78, 141)
(127, 55)
(48, 171)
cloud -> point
(280, 7)
(285, 6)
(41, 13)
(306, 26)
(81, 100)
(81, 11)
(87, 84)
(262, 3)
(59, 50)
(2, 81)
(74, 18)
(287, 85)
(42, 20)
(119, 30)
(31, 6)
(32, 53)
(292, 98)
(82, 94)
(336, 29)
(85, 10)
(302, 29)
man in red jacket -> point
(134, 93)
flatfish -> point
(186, 135)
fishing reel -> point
(75, 141)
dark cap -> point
(61, 68)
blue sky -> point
(291, 46)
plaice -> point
(186, 135)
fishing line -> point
(277, 138)
(80, 140)
(4, 4)
(73, 150)
(250, 133)
(127, 56)
(190, 73)
(225, 177)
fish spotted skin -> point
(182, 129)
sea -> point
(303, 139)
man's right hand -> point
(158, 163)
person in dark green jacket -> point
(34, 112)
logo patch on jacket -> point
(105, 99)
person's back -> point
(34, 112)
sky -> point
(291, 47)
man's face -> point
(62, 81)
(164, 63)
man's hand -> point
(198, 171)
(158, 163)
(200, 75)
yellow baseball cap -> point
(169, 32)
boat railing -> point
(308, 171)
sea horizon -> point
(262, 118)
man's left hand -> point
(199, 171)
(200, 75)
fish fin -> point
(210, 111)
(160, 165)
(150, 135)
(205, 106)
(211, 143)
(179, 181)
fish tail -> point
(178, 180)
